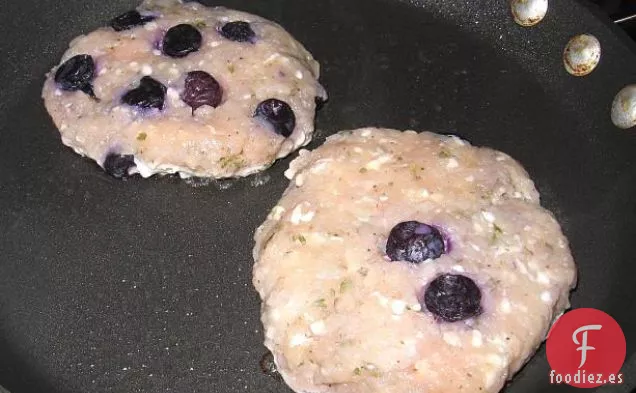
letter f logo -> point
(583, 344)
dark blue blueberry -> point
(130, 19)
(237, 31)
(414, 242)
(149, 94)
(201, 89)
(268, 366)
(453, 297)
(76, 73)
(180, 40)
(320, 102)
(279, 114)
(118, 166)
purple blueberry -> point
(268, 366)
(76, 73)
(201, 89)
(414, 242)
(130, 19)
(453, 297)
(119, 166)
(181, 40)
(279, 114)
(237, 31)
(320, 102)
(149, 94)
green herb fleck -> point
(322, 303)
(300, 238)
(199, 23)
(496, 232)
(141, 136)
(363, 170)
(444, 153)
(363, 271)
(235, 161)
(357, 371)
(231, 68)
(345, 285)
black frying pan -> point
(145, 285)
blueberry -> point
(238, 31)
(180, 40)
(414, 242)
(201, 89)
(453, 297)
(149, 94)
(320, 102)
(129, 19)
(76, 73)
(268, 366)
(118, 165)
(279, 114)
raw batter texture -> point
(178, 87)
(402, 262)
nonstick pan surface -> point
(145, 285)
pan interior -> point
(145, 285)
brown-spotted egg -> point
(582, 54)
(624, 107)
(528, 12)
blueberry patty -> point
(185, 89)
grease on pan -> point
(624, 107)
(582, 54)
(528, 12)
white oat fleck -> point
(298, 339)
(488, 216)
(452, 339)
(398, 307)
(378, 162)
(156, 52)
(543, 278)
(214, 44)
(415, 307)
(299, 74)
(452, 163)
(318, 328)
(477, 339)
(150, 26)
(505, 306)
(365, 133)
(146, 69)
(298, 216)
(458, 268)
(546, 296)
(300, 180)
(470, 178)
